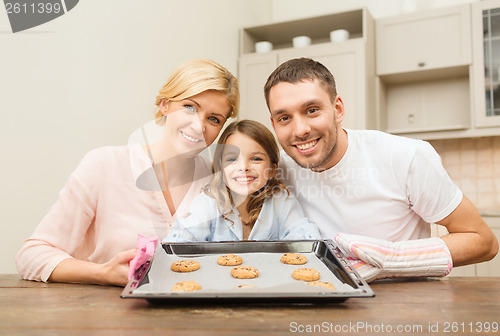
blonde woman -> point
(245, 199)
(90, 233)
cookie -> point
(185, 266)
(306, 274)
(321, 284)
(244, 272)
(293, 259)
(229, 260)
(186, 286)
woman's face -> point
(194, 123)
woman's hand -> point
(115, 271)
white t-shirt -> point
(385, 186)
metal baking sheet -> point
(154, 280)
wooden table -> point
(461, 306)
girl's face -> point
(246, 165)
(194, 123)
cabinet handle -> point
(421, 64)
(411, 118)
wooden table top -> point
(449, 306)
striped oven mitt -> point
(377, 259)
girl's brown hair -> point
(218, 189)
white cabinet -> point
(486, 29)
(424, 62)
(253, 72)
(433, 105)
(422, 41)
(351, 62)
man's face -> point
(305, 121)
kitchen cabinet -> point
(486, 28)
(253, 72)
(426, 40)
(424, 62)
(352, 62)
(431, 105)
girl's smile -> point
(246, 165)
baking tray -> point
(154, 279)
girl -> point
(116, 193)
(245, 200)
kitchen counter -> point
(451, 306)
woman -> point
(89, 234)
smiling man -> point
(375, 193)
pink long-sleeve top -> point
(111, 197)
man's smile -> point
(307, 147)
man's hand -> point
(366, 271)
(377, 259)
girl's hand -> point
(115, 271)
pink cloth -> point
(101, 211)
(145, 249)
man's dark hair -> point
(299, 70)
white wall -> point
(88, 79)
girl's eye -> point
(256, 159)
(230, 159)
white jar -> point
(339, 35)
(263, 47)
(301, 41)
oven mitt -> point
(145, 250)
(377, 259)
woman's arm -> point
(113, 272)
(64, 228)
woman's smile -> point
(190, 138)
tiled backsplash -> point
(474, 165)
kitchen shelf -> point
(318, 28)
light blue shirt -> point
(281, 218)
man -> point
(383, 188)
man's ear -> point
(339, 109)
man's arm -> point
(469, 240)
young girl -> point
(245, 200)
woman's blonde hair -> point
(196, 76)
(218, 189)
